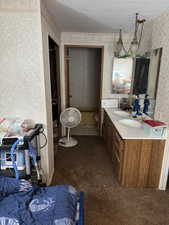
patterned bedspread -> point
(24, 204)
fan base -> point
(64, 142)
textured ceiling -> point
(102, 16)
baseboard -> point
(49, 181)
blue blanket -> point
(24, 204)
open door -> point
(54, 60)
(83, 68)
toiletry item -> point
(146, 105)
(124, 104)
(136, 107)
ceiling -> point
(102, 16)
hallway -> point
(88, 168)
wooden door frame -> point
(66, 65)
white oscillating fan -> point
(69, 118)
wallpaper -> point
(160, 39)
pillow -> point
(11, 185)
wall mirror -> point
(154, 70)
(140, 75)
(146, 74)
(137, 76)
(122, 75)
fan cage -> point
(70, 117)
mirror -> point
(146, 74)
(141, 72)
(122, 75)
(154, 70)
(138, 76)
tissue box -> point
(154, 128)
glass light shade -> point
(119, 46)
(134, 47)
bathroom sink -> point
(121, 113)
(130, 123)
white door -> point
(84, 77)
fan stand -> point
(68, 141)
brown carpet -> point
(88, 168)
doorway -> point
(83, 86)
(54, 61)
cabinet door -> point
(117, 154)
(104, 130)
(116, 164)
(109, 137)
(107, 133)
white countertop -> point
(127, 132)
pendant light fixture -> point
(135, 43)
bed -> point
(24, 204)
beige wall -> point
(21, 62)
(24, 67)
(48, 28)
(21, 84)
(160, 39)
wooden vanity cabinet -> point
(136, 162)
(114, 145)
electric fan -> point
(69, 118)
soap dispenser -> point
(136, 107)
(146, 104)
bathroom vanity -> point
(136, 157)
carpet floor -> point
(88, 168)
